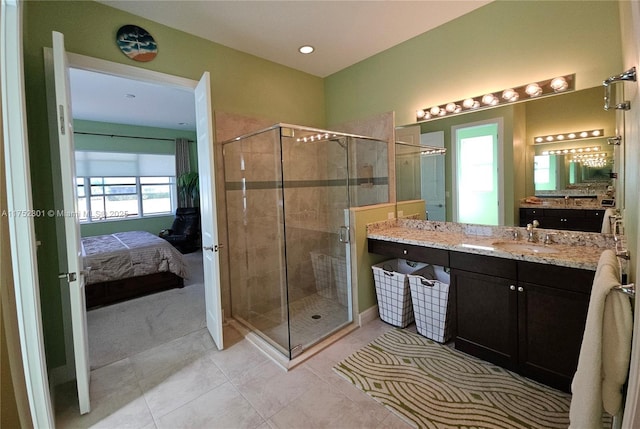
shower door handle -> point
(343, 234)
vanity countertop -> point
(560, 205)
(570, 249)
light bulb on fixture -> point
(435, 110)
(559, 84)
(510, 95)
(533, 90)
(450, 107)
(489, 100)
(468, 103)
(420, 114)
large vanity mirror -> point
(536, 155)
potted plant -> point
(188, 189)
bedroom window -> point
(111, 198)
(115, 185)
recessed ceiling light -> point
(306, 49)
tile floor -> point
(188, 383)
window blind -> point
(117, 164)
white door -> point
(477, 184)
(210, 247)
(75, 274)
(432, 174)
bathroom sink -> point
(524, 246)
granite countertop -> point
(589, 206)
(572, 249)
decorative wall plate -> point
(136, 43)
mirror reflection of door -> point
(407, 164)
(476, 180)
(432, 177)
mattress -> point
(129, 254)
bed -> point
(129, 264)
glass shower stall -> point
(288, 192)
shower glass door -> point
(255, 225)
(315, 177)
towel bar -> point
(629, 289)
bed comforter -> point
(129, 254)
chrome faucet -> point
(531, 235)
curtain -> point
(183, 165)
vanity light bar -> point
(575, 135)
(510, 95)
(314, 137)
(436, 151)
(592, 160)
(572, 150)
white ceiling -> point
(343, 33)
(105, 98)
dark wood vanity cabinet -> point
(523, 316)
(486, 317)
(588, 220)
(411, 252)
(520, 315)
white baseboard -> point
(368, 315)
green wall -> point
(502, 44)
(240, 83)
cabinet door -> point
(550, 328)
(486, 317)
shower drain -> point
(316, 316)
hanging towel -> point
(607, 221)
(602, 371)
(616, 349)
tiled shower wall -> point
(315, 196)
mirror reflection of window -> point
(543, 166)
(476, 169)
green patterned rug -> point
(433, 386)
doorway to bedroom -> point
(130, 327)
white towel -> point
(604, 354)
(616, 349)
(607, 221)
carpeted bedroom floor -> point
(127, 328)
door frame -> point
(499, 165)
(22, 239)
(83, 62)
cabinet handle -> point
(520, 289)
(512, 287)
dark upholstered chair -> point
(184, 234)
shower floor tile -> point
(312, 317)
